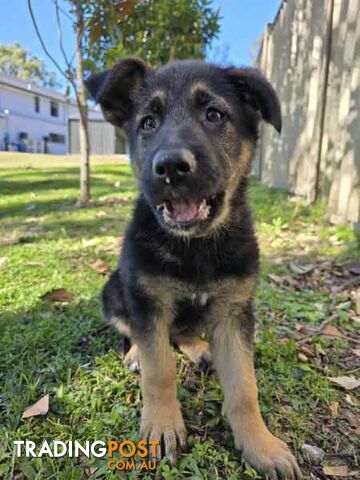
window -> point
(37, 104)
(56, 138)
(54, 109)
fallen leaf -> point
(349, 383)
(357, 301)
(350, 400)
(129, 398)
(31, 220)
(109, 249)
(301, 269)
(313, 454)
(356, 352)
(92, 242)
(33, 264)
(101, 214)
(275, 279)
(58, 295)
(3, 260)
(332, 331)
(306, 351)
(302, 357)
(351, 417)
(336, 470)
(100, 266)
(334, 408)
(41, 407)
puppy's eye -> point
(148, 123)
(214, 115)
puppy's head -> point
(192, 130)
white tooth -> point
(166, 214)
(167, 180)
(204, 210)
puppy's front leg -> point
(231, 345)
(161, 418)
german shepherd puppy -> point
(190, 257)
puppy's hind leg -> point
(196, 349)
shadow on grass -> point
(37, 208)
(88, 228)
(11, 187)
(53, 230)
(46, 342)
(123, 170)
(8, 187)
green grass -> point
(66, 350)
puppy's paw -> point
(271, 457)
(166, 427)
(131, 360)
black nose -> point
(170, 166)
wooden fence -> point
(311, 55)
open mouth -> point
(184, 213)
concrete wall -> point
(311, 55)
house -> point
(39, 119)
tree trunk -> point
(81, 101)
(172, 53)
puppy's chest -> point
(195, 267)
(191, 310)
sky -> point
(242, 23)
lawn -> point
(308, 310)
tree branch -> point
(42, 41)
(64, 74)
(59, 29)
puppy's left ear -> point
(114, 89)
(255, 90)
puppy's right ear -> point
(114, 89)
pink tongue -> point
(184, 211)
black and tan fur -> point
(192, 129)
